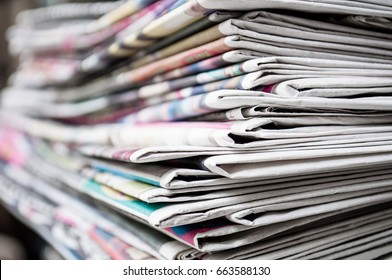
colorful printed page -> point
(42, 214)
(162, 244)
(48, 172)
(215, 62)
(116, 248)
(312, 186)
(152, 194)
(168, 215)
(215, 223)
(184, 179)
(199, 33)
(255, 38)
(108, 83)
(163, 26)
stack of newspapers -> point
(202, 129)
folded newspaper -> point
(201, 129)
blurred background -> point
(16, 240)
(8, 11)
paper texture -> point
(202, 129)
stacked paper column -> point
(202, 129)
